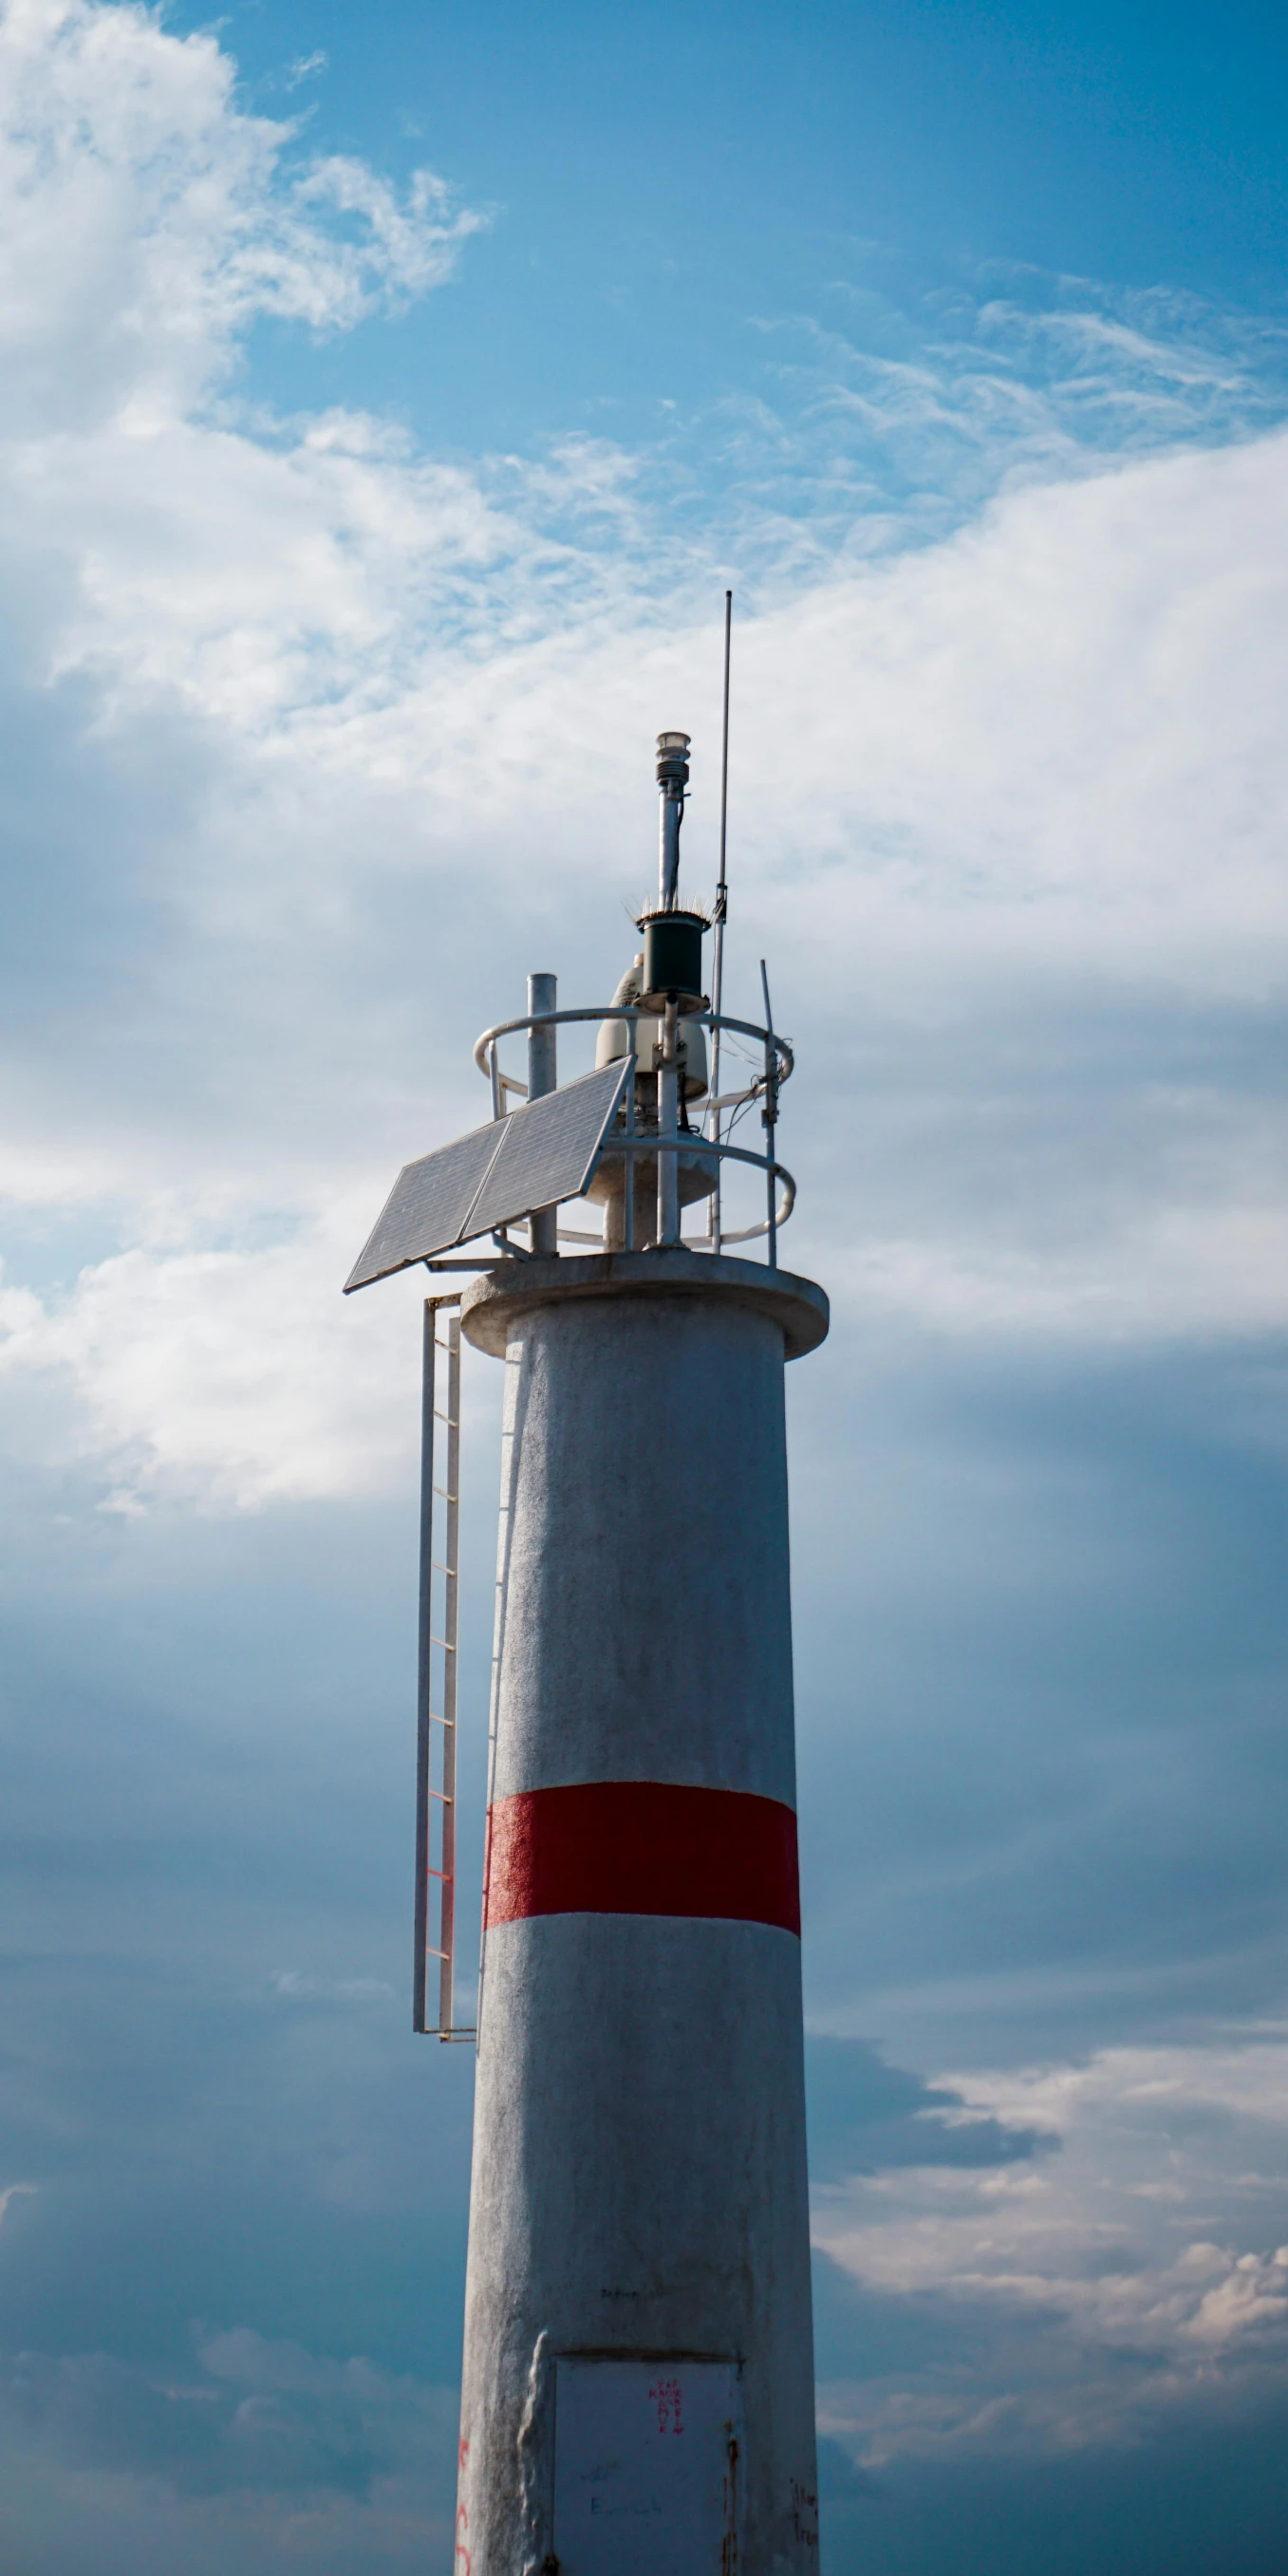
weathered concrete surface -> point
(639, 2179)
(798, 1306)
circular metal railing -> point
(666, 1141)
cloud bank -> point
(316, 742)
(1005, 795)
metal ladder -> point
(436, 1727)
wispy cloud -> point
(305, 67)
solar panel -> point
(537, 1156)
(428, 1204)
(548, 1149)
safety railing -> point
(666, 1140)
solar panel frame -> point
(433, 1197)
(538, 1156)
(548, 1149)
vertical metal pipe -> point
(451, 1559)
(423, 1664)
(668, 857)
(628, 1202)
(769, 1117)
(718, 927)
(672, 779)
(668, 1126)
(543, 1076)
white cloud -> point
(1215, 1268)
(1140, 2268)
(292, 1986)
(1026, 776)
(231, 1378)
(145, 219)
(1010, 809)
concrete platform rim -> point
(491, 1304)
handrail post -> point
(543, 1077)
(668, 1133)
(769, 1116)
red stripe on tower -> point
(642, 1847)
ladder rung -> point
(451, 1419)
(439, 1568)
(448, 1498)
(442, 1797)
(447, 1878)
(441, 1641)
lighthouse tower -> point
(638, 2394)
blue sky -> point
(385, 401)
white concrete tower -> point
(638, 2393)
(639, 2382)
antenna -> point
(718, 924)
(724, 762)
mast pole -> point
(718, 920)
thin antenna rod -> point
(724, 761)
(722, 906)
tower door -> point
(648, 2459)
